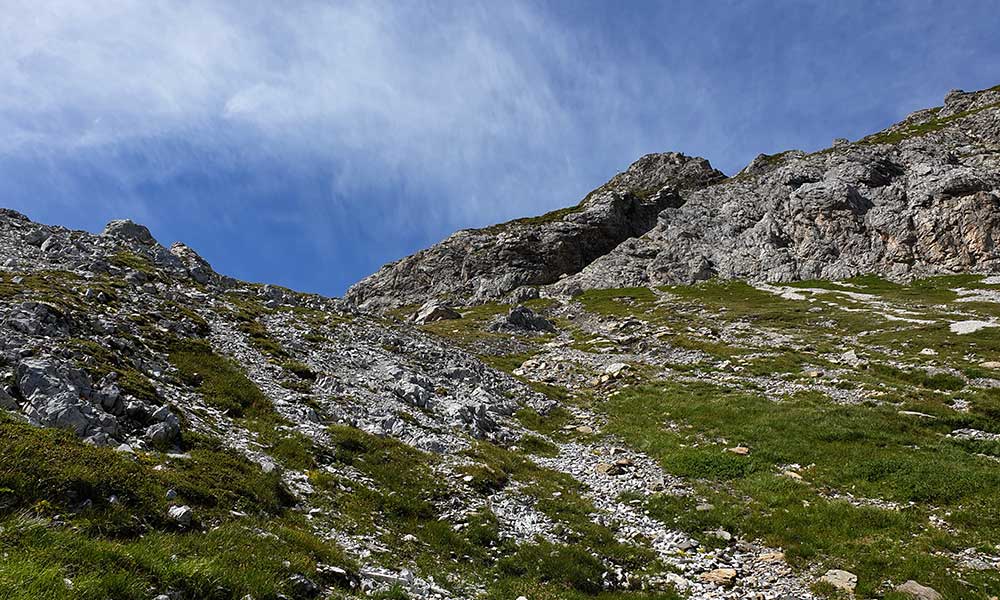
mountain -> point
(918, 198)
(633, 399)
(486, 264)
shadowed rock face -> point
(917, 199)
(478, 265)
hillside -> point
(781, 385)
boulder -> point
(918, 592)
(435, 311)
(724, 577)
(413, 394)
(844, 581)
(525, 319)
(182, 515)
(124, 229)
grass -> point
(870, 452)
(98, 360)
(112, 538)
(134, 262)
(254, 557)
(923, 128)
(220, 381)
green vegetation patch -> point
(220, 380)
(113, 539)
(867, 451)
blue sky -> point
(309, 143)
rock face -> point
(919, 198)
(478, 265)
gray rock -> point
(163, 434)
(842, 580)
(433, 310)
(413, 394)
(918, 592)
(920, 198)
(56, 396)
(125, 229)
(903, 209)
(525, 319)
(8, 402)
(182, 515)
(196, 266)
(478, 265)
(302, 587)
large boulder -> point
(433, 310)
(522, 318)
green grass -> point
(134, 262)
(253, 557)
(621, 302)
(868, 451)
(98, 360)
(113, 539)
(923, 128)
(220, 381)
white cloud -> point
(455, 98)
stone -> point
(435, 311)
(523, 318)
(605, 468)
(842, 580)
(302, 587)
(413, 393)
(990, 364)
(182, 515)
(8, 402)
(928, 352)
(722, 577)
(125, 229)
(617, 369)
(918, 592)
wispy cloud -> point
(365, 129)
(455, 98)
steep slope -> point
(919, 198)
(485, 264)
(168, 432)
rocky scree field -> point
(779, 385)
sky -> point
(307, 143)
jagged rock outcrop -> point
(920, 198)
(478, 265)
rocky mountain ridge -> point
(487, 264)
(918, 198)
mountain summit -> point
(918, 198)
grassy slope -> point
(907, 464)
